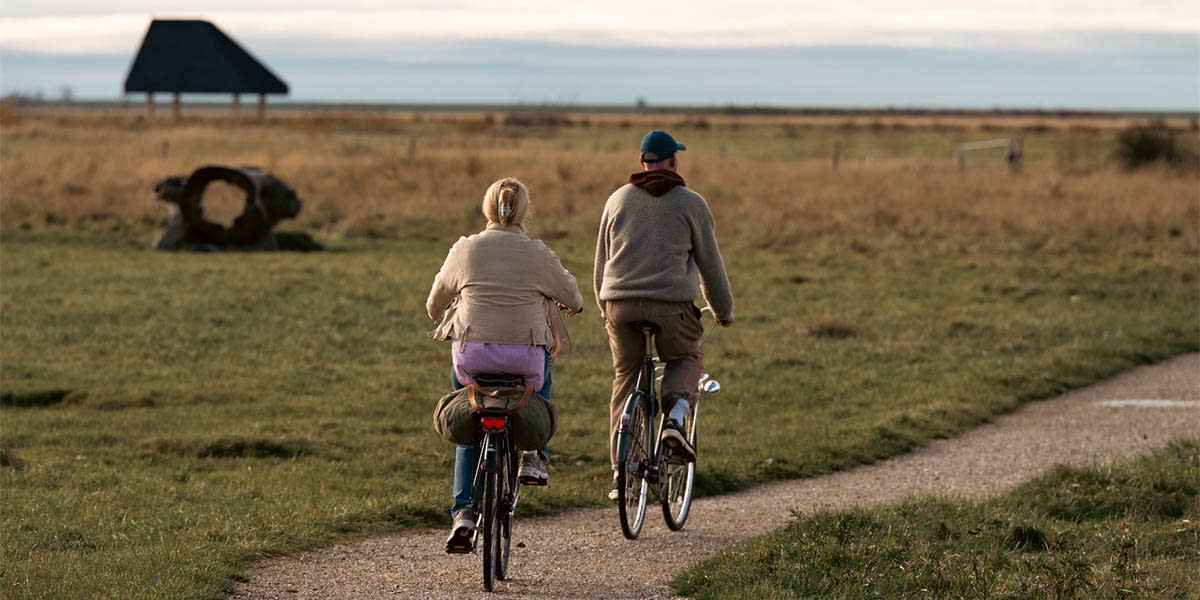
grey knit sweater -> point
(652, 248)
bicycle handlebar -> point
(707, 332)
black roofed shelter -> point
(193, 56)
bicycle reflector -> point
(494, 423)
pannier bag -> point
(532, 419)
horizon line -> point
(727, 109)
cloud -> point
(78, 27)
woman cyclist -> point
(496, 298)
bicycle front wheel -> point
(507, 493)
(633, 456)
(491, 529)
(677, 480)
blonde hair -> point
(506, 202)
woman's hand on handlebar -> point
(570, 311)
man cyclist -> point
(656, 236)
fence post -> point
(837, 155)
(1015, 156)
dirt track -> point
(581, 554)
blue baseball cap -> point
(661, 144)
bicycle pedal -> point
(462, 542)
(534, 481)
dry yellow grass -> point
(768, 178)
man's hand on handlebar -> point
(722, 323)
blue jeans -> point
(466, 455)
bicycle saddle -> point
(644, 325)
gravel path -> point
(581, 554)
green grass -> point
(1126, 531)
(179, 416)
(182, 415)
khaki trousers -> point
(677, 341)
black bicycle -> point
(643, 462)
(496, 399)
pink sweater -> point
(472, 358)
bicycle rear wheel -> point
(491, 529)
(633, 457)
(677, 479)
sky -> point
(868, 53)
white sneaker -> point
(614, 494)
(462, 533)
(533, 470)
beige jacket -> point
(499, 286)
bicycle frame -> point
(647, 381)
(491, 448)
(643, 390)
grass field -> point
(181, 415)
(1125, 531)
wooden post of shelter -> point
(262, 106)
(150, 104)
(177, 106)
(237, 104)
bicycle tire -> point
(633, 458)
(490, 512)
(678, 481)
(507, 482)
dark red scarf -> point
(657, 182)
